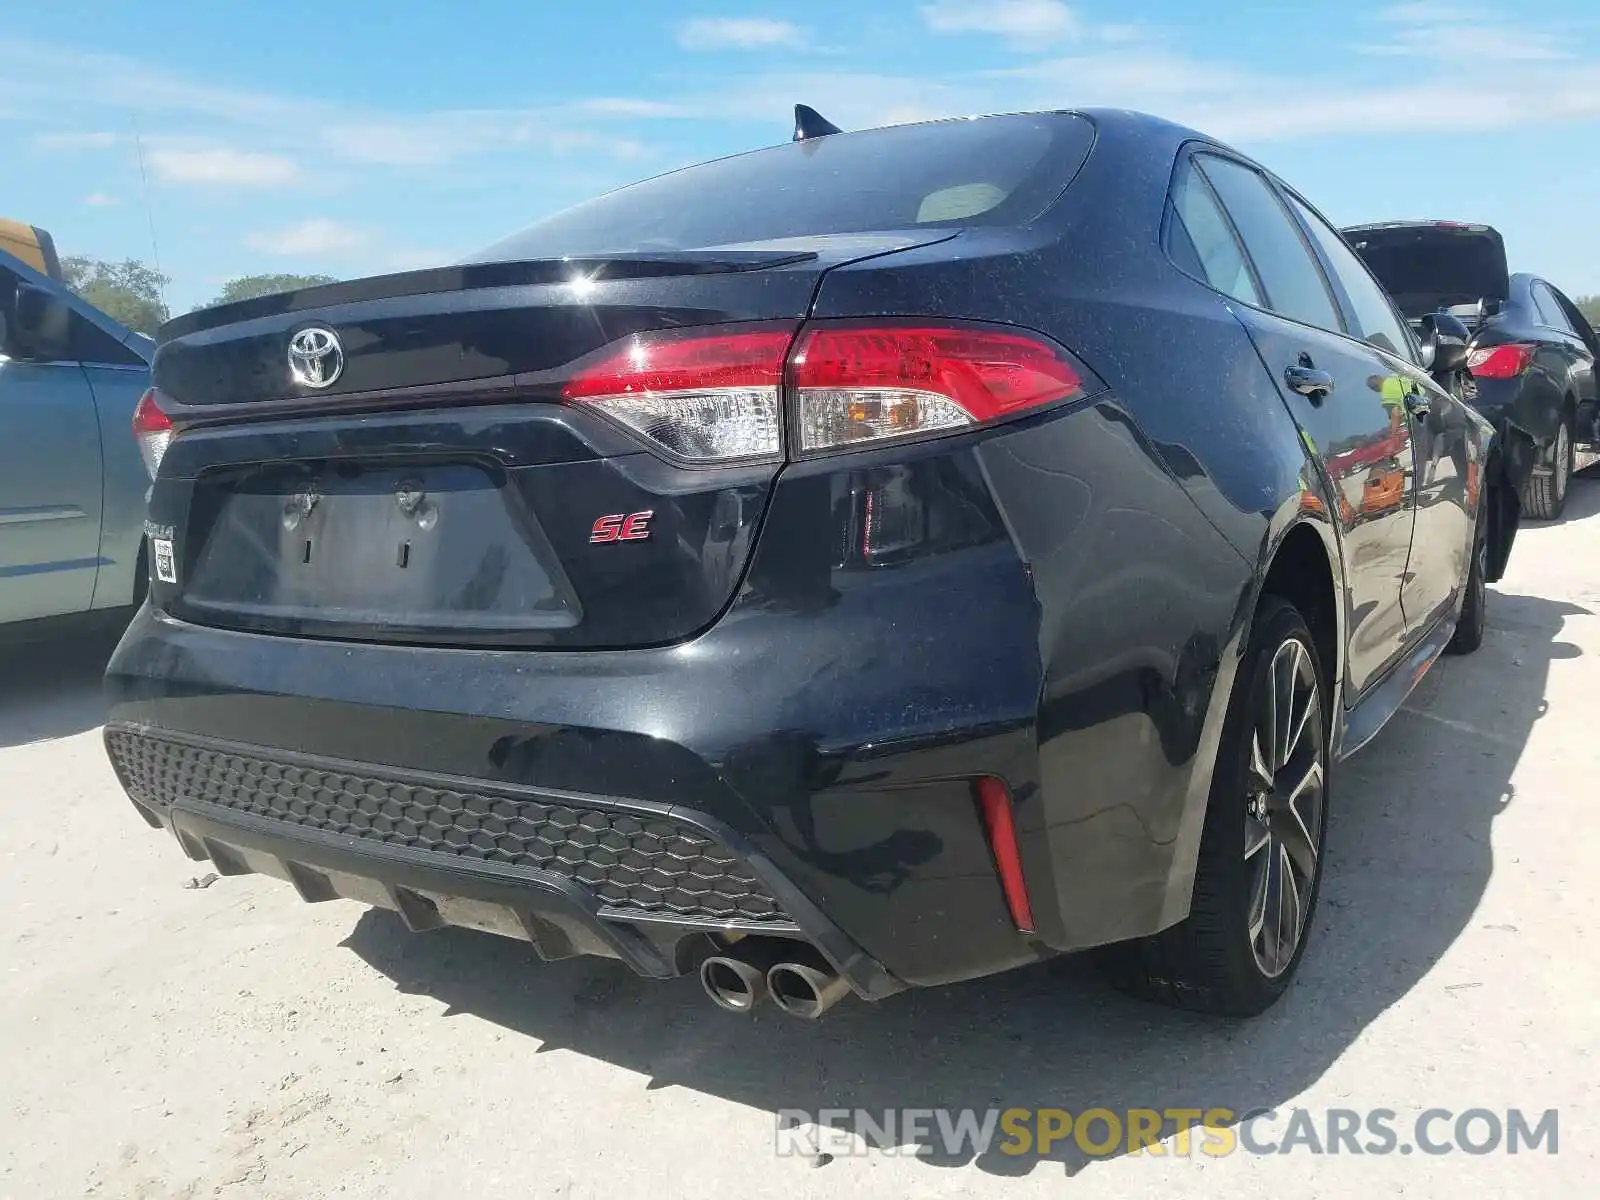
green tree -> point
(129, 291)
(248, 287)
(1589, 306)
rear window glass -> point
(1202, 241)
(987, 171)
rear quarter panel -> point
(1146, 531)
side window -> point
(1375, 315)
(1199, 240)
(1293, 281)
(1550, 309)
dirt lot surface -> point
(169, 1040)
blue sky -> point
(370, 136)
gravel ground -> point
(163, 1039)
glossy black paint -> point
(499, 325)
(1060, 601)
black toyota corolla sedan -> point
(881, 560)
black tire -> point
(1546, 495)
(1475, 604)
(1214, 960)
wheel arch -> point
(1302, 564)
(1304, 568)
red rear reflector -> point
(856, 384)
(1501, 362)
(994, 800)
(153, 430)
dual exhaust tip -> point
(740, 979)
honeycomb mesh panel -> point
(630, 862)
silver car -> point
(72, 482)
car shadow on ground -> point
(1583, 499)
(53, 689)
(1410, 854)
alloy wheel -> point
(1283, 813)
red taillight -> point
(704, 396)
(855, 383)
(153, 429)
(994, 801)
(715, 395)
(1501, 362)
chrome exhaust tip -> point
(733, 984)
(805, 991)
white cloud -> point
(76, 140)
(55, 79)
(1432, 30)
(99, 200)
(221, 166)
(1423, 12)
(313, 236)
(628, 106)
(1018, 20)
(1470, 43)
(739, 33)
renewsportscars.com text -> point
(1175, 1132)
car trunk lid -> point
(436, 487)
(1429, 265)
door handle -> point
(1308, 381)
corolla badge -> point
(316, 358)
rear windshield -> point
(986, 171)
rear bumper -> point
(908, 622)
(790, 738)
(249, 814)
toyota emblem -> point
(315, 357)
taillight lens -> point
(854, 383)
(718, 395)
(1501, 362)
(153, 429)
(704, 397)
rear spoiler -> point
(33, 246)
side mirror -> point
(1444, 345)
(40, 327)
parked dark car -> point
(1531, 369)
(875, 561)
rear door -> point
(1345, 395)
(1576, 354)
(1439, 424)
